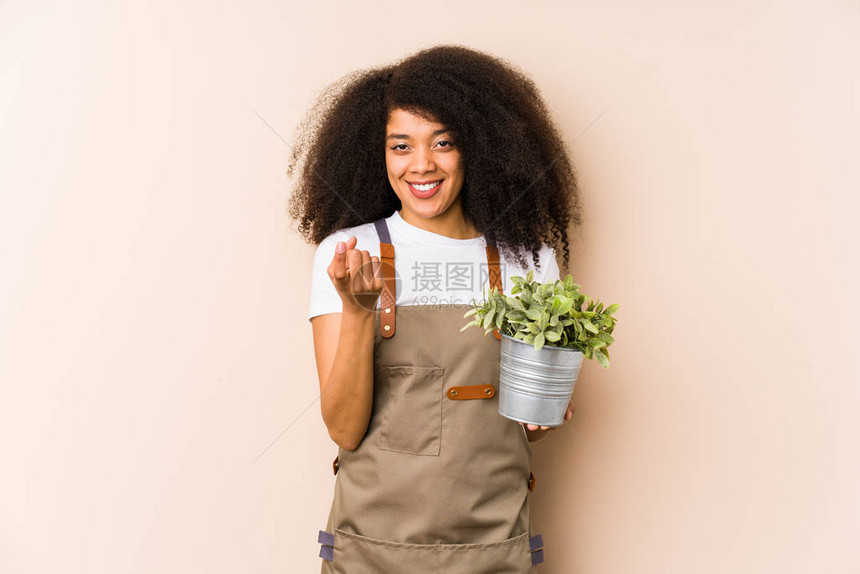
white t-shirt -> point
(431, 269)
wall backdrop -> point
(158, 409)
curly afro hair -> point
(520, 187)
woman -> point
(423, 183)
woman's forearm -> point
(347, 393)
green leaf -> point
(515, 303)
(565, 306)
(515, 315)
(552, 336)
(534, 312)
(543, 320)
(612, 308)
(530, 276)
(595, 343)
(589, 327)
(604, 336)
(546, 290)
(602, 359)
(534, 329)
(488, 320)
(500, 317)
(539, 341)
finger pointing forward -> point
(338, 266)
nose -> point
(422, 161)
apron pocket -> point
(356, 554)
(411, 413)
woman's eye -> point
(399, 147)
(445, 143)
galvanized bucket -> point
(535, 386)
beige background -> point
(159, 403)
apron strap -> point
(387, 298)
(494, 273)
(386, 258)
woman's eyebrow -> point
(406, 136)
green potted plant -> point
(547, 330)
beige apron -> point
(441, 481)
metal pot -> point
(535, 386)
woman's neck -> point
(450, 224)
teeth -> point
(425, 187)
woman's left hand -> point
(536, 432)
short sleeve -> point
(549, 265)
(324, 297)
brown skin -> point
(343, 345)
(518, 182)
(343, 342)
(534, 432)
(418, 150)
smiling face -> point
(424, 169)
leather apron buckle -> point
(467, 392)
